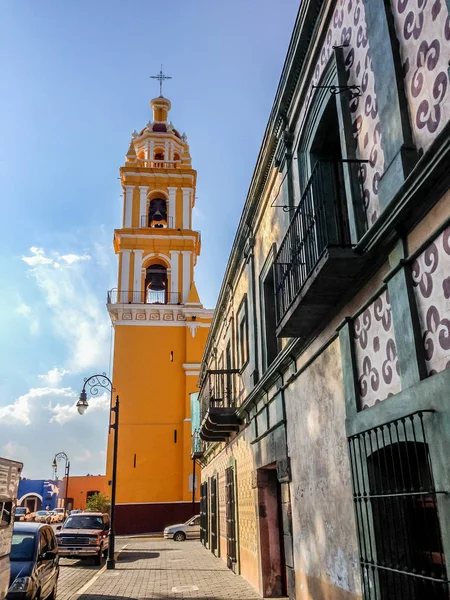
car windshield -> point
(188, 521)
(83, 522)
(22, 547)
(20, 511)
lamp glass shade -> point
(82, 406)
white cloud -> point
(54, 376)
(19, 412)
(14, 451)
(78, 316)
(70, 259)
(24, 310)
(65, 412)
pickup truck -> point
(84, 535)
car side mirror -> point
(191, 523)
(49, 555)
(59, 527)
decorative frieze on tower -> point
(160, 326)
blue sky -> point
(75, 85)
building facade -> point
(325, 383)
(38, 494)
(81, 487)
(160, 328)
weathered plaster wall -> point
(324, 534)
(240, 451)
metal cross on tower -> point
(160, 77)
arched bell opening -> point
(159, 154)
(141, 155)
(156, 284)
(157, 213)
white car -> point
(184, 531)
(61, 513)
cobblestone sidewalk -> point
(169, 570)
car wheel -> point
(179, 536)
(99, 558)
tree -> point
(98, 503)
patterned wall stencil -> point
(376, 353)
(423, 31)
(348, 27)
(431, 280)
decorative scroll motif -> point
(423, 32)
(376, 353)
(431, 280)
(349, 29)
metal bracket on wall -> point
(339, 89)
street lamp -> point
(63, 456)
(94, 383)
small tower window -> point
(157, 213)
(156, 284)
(141, 155)
(159, 154)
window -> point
(243, 334)
(5, 513)
(43, 542)
(91, 493)
(231, 517)
(267, 289)
(399, 535)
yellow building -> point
(160, 328)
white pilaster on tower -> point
(174, 289)
(128, 205)
(186, 274)
(138, 296)
(142, 205)
(187, 207)
(172, 204)
(125, 275)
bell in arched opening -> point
(157, 213)
(156, 284)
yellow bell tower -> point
(160, 328)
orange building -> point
(80, 488)
(160, 329)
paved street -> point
(74, 575)
(166, 569)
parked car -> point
(23, 514)
(55, 517)
(61, 513)
(75, 511)
(34, 562)
(42, 516)
(84, 535)
(189, 530)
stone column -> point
(128, 205)
(125, 275)
(143, 205)
(172, 206)
(174, 288)
(186, 278)
(186, 208)
(137, 291)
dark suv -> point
(84, 535)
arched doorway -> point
(31, 501)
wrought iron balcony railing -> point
(145, 222)
(218, 399)
(197, 445)
(316, 247)
(116, 296)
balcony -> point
(115, 296)
(218, 402)
(316, 264)
(145, 222)
(159, 164)
(197, 445)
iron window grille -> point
(231, 517)
(204, 513)
(395, 500)
(214, 516)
